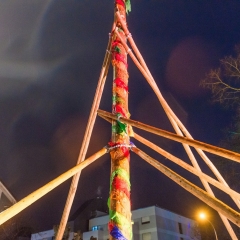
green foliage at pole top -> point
(128, 6)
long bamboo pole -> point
(33, 197)
(120, 226)
(235, 195)
(86, 139)
(194, 143)
(213, 202)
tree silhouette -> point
(224, 82)
(14, 228)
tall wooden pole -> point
(119, 200)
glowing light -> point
(202, 216)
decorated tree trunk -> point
(120, 226)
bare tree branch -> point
(224, 82)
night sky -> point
(51, 53)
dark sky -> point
(51, 53)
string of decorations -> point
(119, 204)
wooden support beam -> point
(194, 143)
(86, 139)
(33, 197)
(213, 202)
(235, 195)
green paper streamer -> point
(121, 127)
(117, 49)
(114, 99)
(123, 174)
(118, 115)
(119, 219)
(128, 6)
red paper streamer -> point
(110, 226)
(125, 150)
(117, 56)
(120, 83)
(115, 43)
(111, 144)
(120, 2)
(121, 185)
(118, 109)
(120, 58)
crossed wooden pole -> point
(182, 135)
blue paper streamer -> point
(116, 233)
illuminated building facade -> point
(151, 223)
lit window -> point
(147, 236)
(145, 220)
(94, 228)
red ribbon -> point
(120, 2)
(117, 56)
(125, 151)
(111, 144)
(115, 43)
(121, 185)
(120, 83)
(120, 58)
(110, 226)
(118, 109)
